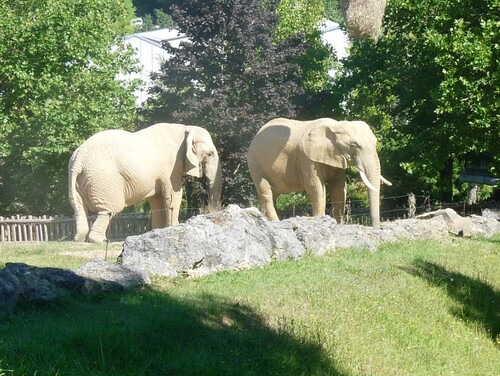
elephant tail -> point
(75, 168)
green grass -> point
(417, 308)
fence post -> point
(348, 211)
(427, 203)
(412, 205)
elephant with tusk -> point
(292, 156)
(114, 169)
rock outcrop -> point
(231, 239)
(236, 238)
(31, 284)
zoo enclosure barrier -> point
(392, 208)
(59, 228)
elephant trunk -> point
(372, 172)
(374, 199)
(215, 189)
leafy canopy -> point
(305, 17)
(431, 88)
(58, 86)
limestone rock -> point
(231, 239)
(463, 226)
(104, 276)
(9, 290)
(308, 233)
(236, 238)
(35, 284)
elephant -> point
(114, 169)
(292, 156)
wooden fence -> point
(42, 229)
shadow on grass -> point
(150, 333)
(479, 301)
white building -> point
(333, 35)
(151, 55)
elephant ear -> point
(191, 162)
(319, 145)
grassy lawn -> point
(416, 308)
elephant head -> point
(343, 143)
(202, 161)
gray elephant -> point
(114, 169)
(292, 156)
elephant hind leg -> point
(81, 217)
(82, 227)
(99, 228)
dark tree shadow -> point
(150, 333)
(479, 301)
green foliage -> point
(304, 17)
(159, 19)
(292, 204)
(430, 88)
(332, 11)
(58, 86)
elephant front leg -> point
(165, 209)
(317, 193)
(338, 197)
(173, 213)
(266, 197)
(158, 211)
(99, 228)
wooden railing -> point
(42, 229)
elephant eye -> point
(355, 144)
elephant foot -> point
(95, 237)
(80, 237)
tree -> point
(231, 78)
(430, 88)
(57, 87)
(332, 11)
(305, 17)
(159, 19)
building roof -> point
(151, 55)
(156, 37)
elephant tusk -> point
(367, 182)
(385, 181)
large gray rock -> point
(236, 238)
(38, 284)
(465, 226)
(306, 233)
(231, 239)
(9, 290)
(103, 276)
